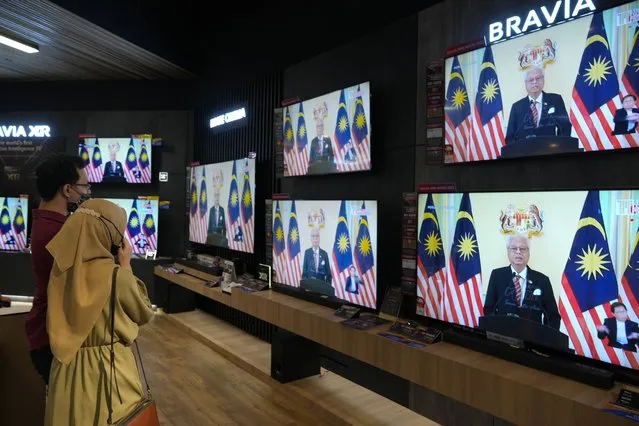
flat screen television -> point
(566, 261)
(142, 222)
(329, 134)
(14, 215)
(226, 219)
(327, 246)
(582, 76)
(117, 160)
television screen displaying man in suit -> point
(518, 289)
(316, 264)
(620, 331)
(113, 168)
(539, 113)
(626, 118)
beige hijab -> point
(80, 281)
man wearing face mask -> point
(62, 185)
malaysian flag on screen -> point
(342, 258)
(280, 257)
(462, 293)
(595, 97)
(365, 261)
(629, 291)
(235, 232)
(247, 210)
(431, 262)
(294, 249)
(290, 156)
(487, 135)
(131, 170)
(193, 222)
(96, 164)
(19, 229)
(301, 150)
(148, 227)
(203, 210)
(7, 241)
(362, 144)
(458, 121)
(144, 164)
(630, 78)
(133, 230)
(589, 286)
(342, 137)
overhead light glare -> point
(18, 45)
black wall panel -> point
(260, 97)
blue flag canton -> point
(131, 159)
(149, 225)
(247, 199)
(597, 79)
(488, 98)
(465, 249)
(144, 157)
(342, 125)
(193, 194)
(363, 245)
(457, 105)
(133, 225)
(342, 246)
(289, 136)
(293, 236)
(18, 220)
(204, 202)
(302, 133)
(631, 72)
(97, 156)
(589, 269)
(360, 125)
(430, 248)
(84, 154)
(234, 198)
(631, 273)
(5, 218)
(278, 232)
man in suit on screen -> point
(113, 168)
(321, 146)
(518, 290)
(539, 113)
(217, 222)
(316, 264)
(621, 332)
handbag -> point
(145, 413)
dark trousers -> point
(41, 360)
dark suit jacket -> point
(621, 124)
(324, 269)
(520, 122)
(352, 284)
(500, 297)
(218, 227)
(631, 327)
(327, 152)
(109, 172)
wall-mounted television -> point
(569, 88)
(329, 134)
(330, 245)
(225, 219)
(117, 160)
(565, 261)
(14, 215)
(142, 222)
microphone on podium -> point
(537, 295)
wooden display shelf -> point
(343, 400)
(515, 393)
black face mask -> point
(72, 206)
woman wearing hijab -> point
(78, 318)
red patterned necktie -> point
(535, 114)
(517, 288)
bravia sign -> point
(562, 10)
(25, 131)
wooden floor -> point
(196, 385)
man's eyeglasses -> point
(83, 185)
(537, 79)
(518, 249)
